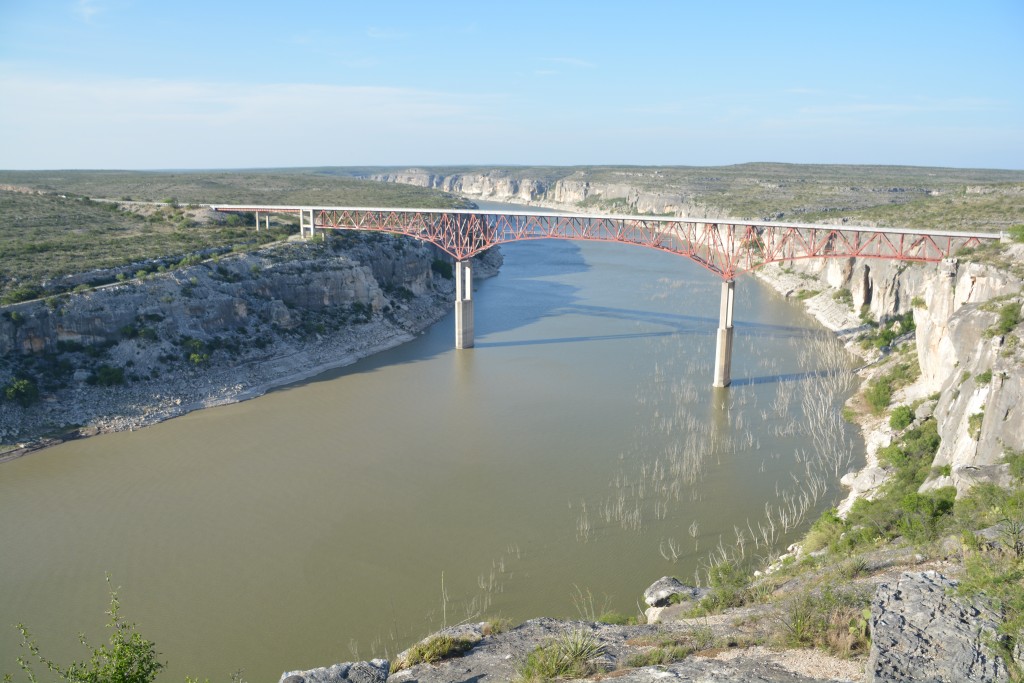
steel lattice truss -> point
(725, 247)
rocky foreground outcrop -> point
(921, 631)
(129, 354)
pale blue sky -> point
(159, 84)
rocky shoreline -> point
(398, 302)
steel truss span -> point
(726, 247)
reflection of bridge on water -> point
(726, 247)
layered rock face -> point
(129, 354)
(975, 371)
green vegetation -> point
(571, 655)
(879, 391)
(1009, 318)
(673, 648)
(22, 391)
(901, 418)
(616, 618)
(974, 422)
(1017, 233)
(834, 620)
(843, 296)
(127, 658)
(496, 625)
(806, 294)
(433, 650)
(62, 232)
(983, 378)
(884, 335)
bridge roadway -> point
(724, 246)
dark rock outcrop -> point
(921, 632)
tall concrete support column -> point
(463, 305)
(257, 221)
(723, 350)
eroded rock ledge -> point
(921, 631)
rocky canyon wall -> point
(973, 367)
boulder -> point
(660, 593)
(374, 671)
(920, 631)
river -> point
(575, 455)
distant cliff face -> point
(575, 193)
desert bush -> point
(434, 650)
(901, 417)
(571, 655)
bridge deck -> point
(534, 213)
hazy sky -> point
(182, 84)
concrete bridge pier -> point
(723, 350)
(302, 224)
(463, 305)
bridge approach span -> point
(726, 247)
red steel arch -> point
(725, 247)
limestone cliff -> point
(575, 192)
(974, 370)
(124, 355)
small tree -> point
(23, 391)
(127, 658)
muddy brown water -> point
(575, 455)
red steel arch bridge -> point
(726, 247)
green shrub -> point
(825, 531)
(843, 296)
(18, 294)
(128, 658)
(974, 422)
(433, 651)
(983, 377)
(834, 620)
(729, 585)
(22, 391)
(918, 302)
(1009, 317)
(616, 618)
(878, 394)
(901, 418)
(1015, 459)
